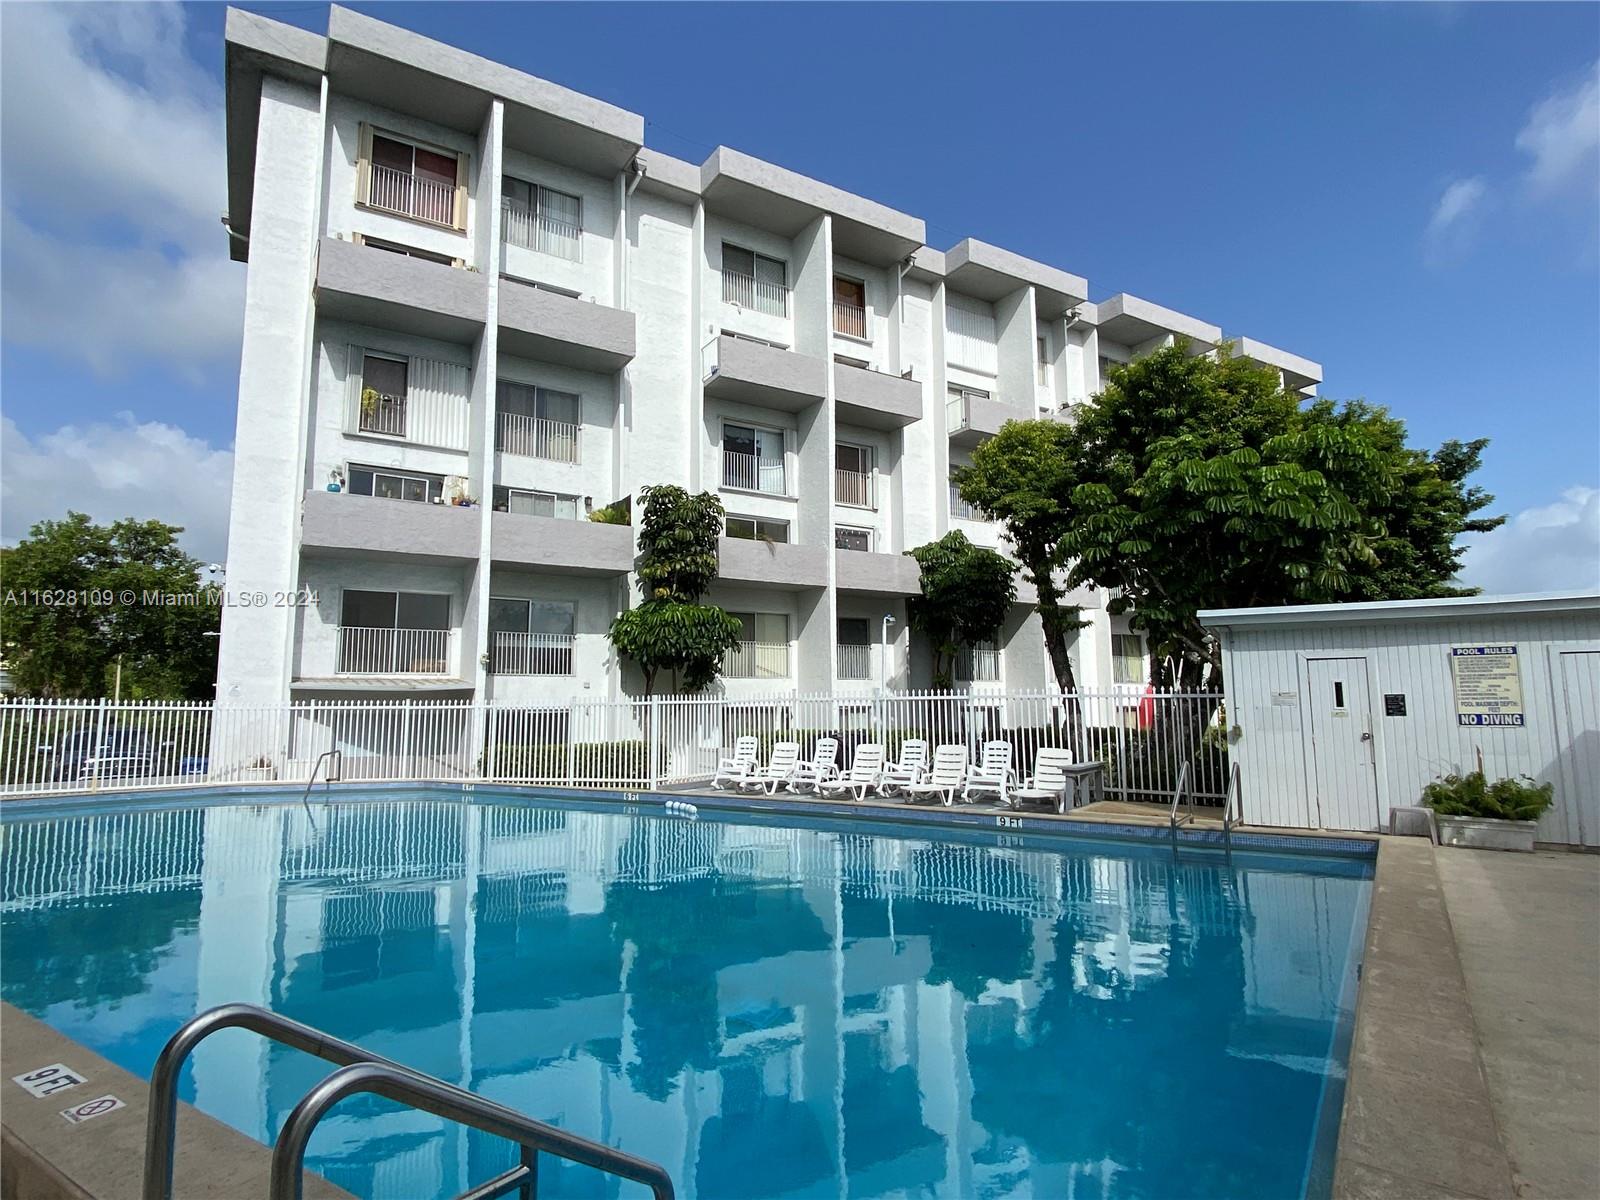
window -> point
(751, 280)
(541, 218)
(852, 475)
(849, 307)
(536, 504)
(403, 177)
(383, 395)
(394, 485)
(1044, 361)
(970, 334)
(978, 663)
(959, 508)
(855, 631)
(758, 529)
(854, 652)
(408, 251)
(752, 459)
(1105, 368)
(394, 633)
(846, 537)
(1127, 658)
(763, 647)
(537, 422)
(530, 637)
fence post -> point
(654, 767)
(405, 734)
(99, 746)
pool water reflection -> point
(839, 1010)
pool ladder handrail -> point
(1233, 802)
(1178, 793)
(335, 760)
(361, 1071)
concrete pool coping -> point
(46, 1156)
(1418, 1121)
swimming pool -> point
(835, 1008)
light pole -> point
(883, 654)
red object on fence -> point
(1147, 707)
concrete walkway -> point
(1527, 929)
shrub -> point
(1470, 795)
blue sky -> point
(1408, 194)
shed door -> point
(1343, 773)
(1578, 747)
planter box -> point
(1486, 833)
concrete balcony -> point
(880, 574)
(971, 419)
(560, 546)
(394, 291)
(550, 327)
(873, 399)
(751, 373)
(772, 564)
(339, 525)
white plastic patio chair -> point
(866, 764)
(991, 774)
(897, 776)
(780, 767)
(1048, 784)
(824, 765)
(737, 769)
(944, 781)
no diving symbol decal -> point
(90, 1109)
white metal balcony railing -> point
(413, 195)
(752, 473)
(536, 437)
(960, 509)
(762, 295)
(368, 650)
(978, 665)
(757, 660)
(956, 414)
(852, 487)
(854, 662)
(849, 319)
(386, 414)
(532, 654)
(521, 226)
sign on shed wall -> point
(1488, 685)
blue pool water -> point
(842, 1010)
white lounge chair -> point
(897, 776)
(1048, 784)
(944, 781)
(737, 769)
(992, 773)
(865, 767)
(780, 767)
(824, 765)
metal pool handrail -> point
(443, 1100)
(1178, 794)
(161, 1127)
(1234, 797)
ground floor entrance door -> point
(1344, 783)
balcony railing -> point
(413, 195)
(854, 662)
(849, 319)
(762, 295)
(978, 665)
(521, 226)
(753, 473)
(532, 654)
(535, 437)
(368, 650)
(757, 660)
(956, 414)
(387, 414)
(960, 509)
(852, 487)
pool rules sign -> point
(1488, 684)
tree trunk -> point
(1058, 622)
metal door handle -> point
(1366, 737)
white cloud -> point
(1562, 136)
(144, 469)
(1455, 216)
(1554, 547)
(113, 184)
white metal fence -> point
(545, 232)
(849, 319)
(382, 650)
(852, 487)
(763, 295)
(537, 437)
(753, 473)
(532, 654)
(414, 195)
(1144, 738)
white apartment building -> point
(478, 309)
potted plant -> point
(369, 401)
(262, 768)
(1487, 816)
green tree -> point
(68, 618)
(670, 630)
(1023, 477)
(966, 593)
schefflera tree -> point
(966, 593)
(670, 630)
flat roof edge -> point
(1370, 612)
(1008, 262)
(289, 45)
(848, 206)
(1148, 311)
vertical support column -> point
(1016, 345)
(812, 298)
(256, 655)
(939, 385)
(700, 332)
